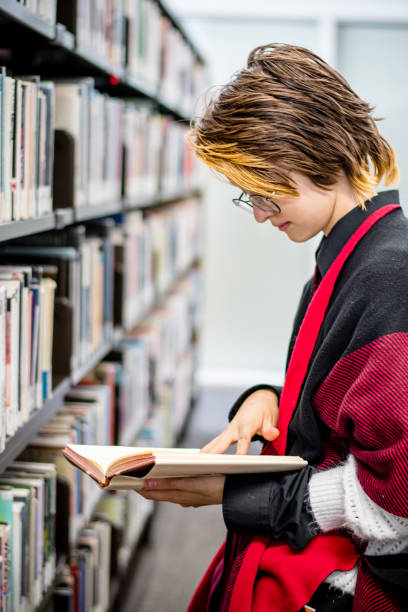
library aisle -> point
(183, 540)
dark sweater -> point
(355, 395)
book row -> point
(103, 552)
(29, 545)
(65, 144)
(27, 533)
(134, 394)
(88, 280)
(48, 508)
(156, 156)
(136, 36)
(106, 148)
(46, 505)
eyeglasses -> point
(247, 202)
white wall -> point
(374, 59)
(253, 274)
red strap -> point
(309, 331)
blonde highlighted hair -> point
(289, 111)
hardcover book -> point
(123, 467)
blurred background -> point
(253, 275)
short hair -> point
(288, 110)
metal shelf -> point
(62, 217)
(160, 199)
(17, 229)
(17, 12)
(99, 210)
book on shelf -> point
(66, 261)
(116, 467)
(27, 514)
(139, 38)
(27, 146)
(26, 338)
(84, 292)
(88, 145)
(5, 550)
(85, 417)
(84, 583)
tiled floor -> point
(183, 540)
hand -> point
(198, 491)
(258, 414)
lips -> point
(283, 227)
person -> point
(306, 152)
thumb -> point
(269, 431)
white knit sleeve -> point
(338, 500)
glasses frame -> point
(262, 202)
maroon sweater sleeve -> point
(365, 401)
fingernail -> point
(151, 484)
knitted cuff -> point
(363, 516)
(326, 498)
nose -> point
(261, 215)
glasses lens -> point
(243, 205)
(264, 204)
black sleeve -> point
(272, 505)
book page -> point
(104, 456)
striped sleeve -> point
(364, 401)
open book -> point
(123, 467)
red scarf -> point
(267, 574)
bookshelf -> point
(54, 51)
(58, 47)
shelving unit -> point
(56, 38)
(54, 46)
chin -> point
(299, 238)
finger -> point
(208, 447)
(174, 497)
(220, 443)
(182, 484)
(169, 484)
(243, 445)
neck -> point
(345, 200)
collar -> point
(331, 245)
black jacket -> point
(367, 315)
